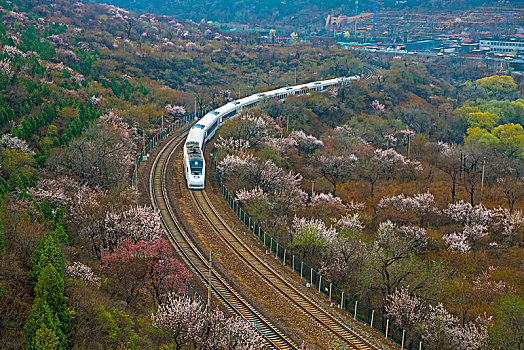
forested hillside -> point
(277, 12)
(83, 262)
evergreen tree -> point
(41, 316)
(47, 252)
(50, 288)
(45, 339)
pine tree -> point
(50, 288)
(45, 339)
(47, 252)
(41, 316)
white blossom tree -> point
(306, 143)
(386, 164)
(231, 145)
(334, 168)
(475, 220)
(81, 271)
(13, 142)
(457, 242)
(141, 223)
(190, 322)
(422, 204)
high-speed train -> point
(205, 128)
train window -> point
(213, 127)
(196, 166)
(199, 126)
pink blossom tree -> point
(393, 262)
(101, 156)
(180, 317)
(344, 257)
(264, 175)
(62, 191)
(406, 309)
(466, 214)
(310, 236)
(244, 196)
(144, 266)
(443, 331)
(438, 327)
(175, 111)
(378, 106)
(282, 145)
(510, 223)
(350, 222)
(398, 138)
(326, 199)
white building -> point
(502, 46)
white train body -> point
(205, 128)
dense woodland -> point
(83, 260)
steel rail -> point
(299, 299)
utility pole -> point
(209, 277)
(195, 107)
(374, 16)
(295, 75)
(409, 145)
(162, 121)
(356, 13)
(482, 180)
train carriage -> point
(205, 128)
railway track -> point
(221, 290)
(347, 337)
(369, 73)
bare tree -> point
(449, 161)
(471, 173)
(513, 190)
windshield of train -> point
(196, 166)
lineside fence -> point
(159, 137)
(358, 310)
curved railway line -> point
(231, 299)
(196, 260)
